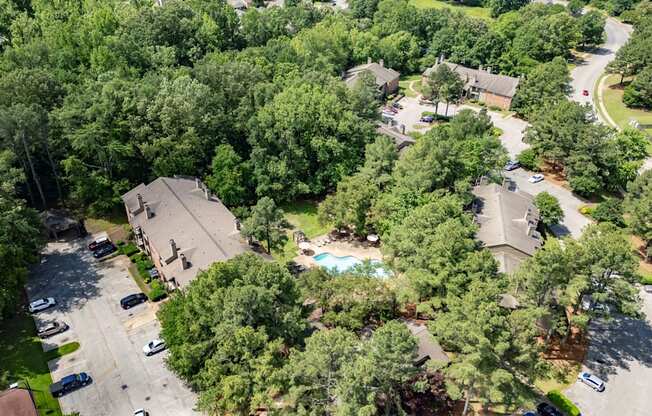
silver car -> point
(592, 381)
(153, 347)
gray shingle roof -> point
(429, 348)
(506, 218)
(203, 229)
(493, 83)
(382, 74)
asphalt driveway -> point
(573, 222)
(625, 348)
(88, 293)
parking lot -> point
(88, 296)
(620, 353)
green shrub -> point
(120, 243)
(646, 280)
(158, 291)
(611, 210)
(587, 210)
(529, 160)
(135, 258)
(129, 249)
(494, 108)
(563, 403)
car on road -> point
(51, 329)
(132, 300)
(535, 178)
(98, 242)
(585, 93)
(397, 105)
(104, 251)
(41, 304)
(153, 347)
(141, 412)
(529, 413)
(592, 381)
(545, 409)
(69, 383)
(511, 165)
(648, 288)
(427, 119)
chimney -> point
(480, 68)
(368, 59)
(207, 193)
(148, 212)
(140, 202)
(489, 69)
(173, 250)
(238, 226)
(197, 183)
(402, 128)
(184, 263)
(381, 62)
(441, 59)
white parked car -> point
(536, 178)
(141, 412)
(41, 304)
(591, 381)
(153, 347)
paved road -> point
(573, 222)
(626, 346)
(88, 295)
(585, 75)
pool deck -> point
(320, 245)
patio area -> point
(340, 248)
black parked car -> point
(51, 329)
(132, 300)
(69, 383)
(98, 242)
(104, 251)
(544, 409)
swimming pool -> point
(345, 263)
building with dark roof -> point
(508, 221)
(182, 226)
(17, 402)
(386, 78)
(492, 89)
(428, 347)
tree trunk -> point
(467, 401)
(622, 78)
(27, 185)
(446, 112)
(31, 166)
(269, 243)
(52, 165)
(436, 106)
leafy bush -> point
(587, 210)
(129, 249)
(135, 258)
(158, 291)
(646, 280)
(611, 210)
(529, 160)
(563, 403)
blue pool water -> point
(343, 264)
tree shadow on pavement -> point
(68, 273)
(617, 344)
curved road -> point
(586, 74)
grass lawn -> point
(115, 225)
(479, 12)
(404, 85)
(613, 101)
(302, 215)
(22, 356)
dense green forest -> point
(98, 96)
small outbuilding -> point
(429, 348)
(386, 78)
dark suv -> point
(132, 300)
(544, 409)
(104, 250)
(69, 383)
